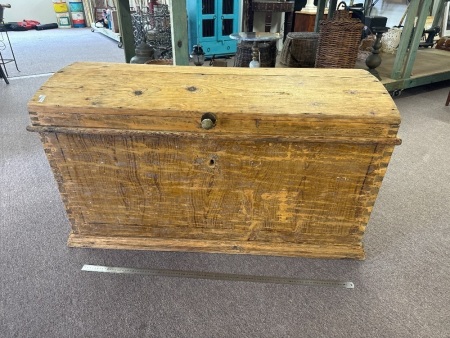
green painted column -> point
(331, 8)
(367, 4)
(402, 50)
(126, 29)
(411, 58)
(319, 14)
(439, 12)
(178, 19)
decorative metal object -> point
(198, 55)
(374, 59)
(255, 56)
(144, 53)
(152, 25)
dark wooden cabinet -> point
(304, 21)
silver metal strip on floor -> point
(29, 76)
(218, 276)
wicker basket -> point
(339, 41)
(300, 49)
(267, 54)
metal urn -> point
(144, 53)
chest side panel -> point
(192, 188)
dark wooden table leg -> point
(288, 16)
(250, 16)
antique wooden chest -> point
(261, 161)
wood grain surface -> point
(291, 168)
(244, 94)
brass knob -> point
(208, 121)
(207, 124)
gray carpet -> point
(402, 289)
(41, 52)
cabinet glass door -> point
(228, 21)
(208, 19)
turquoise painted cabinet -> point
(210, 24)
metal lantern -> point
(198, 55)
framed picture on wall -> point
(446, 22)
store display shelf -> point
(109, 33)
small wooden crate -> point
(291, 166)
